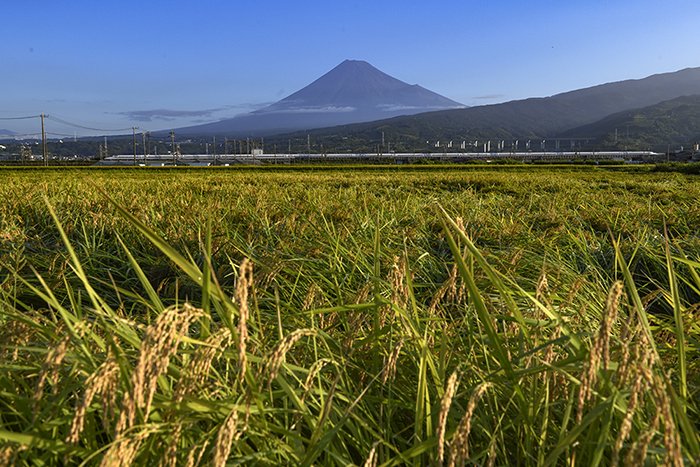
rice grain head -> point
(194, 457)
(123, 451)
(363, 293)
(626, 425)
(397, 278)
(245, 282)
(671, 440)
(199, 366)
(638, 452)
(313, 372)
(600, 349)
(15, 334)
(49, 369)
(389, 370)
(102, 382)
(459, 450)
(276, 358)
(7, 455)
(227, 434)
(542, 287)
(445, 403)
(159, 344)
(372, 459)
(310, 299)
(624, 366)
(612, 306)
(170, 457)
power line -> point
(59, 134)
(37, 135)
(76, 125)
(20, 118)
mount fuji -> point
(352, 92)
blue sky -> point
(162, 64)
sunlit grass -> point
(329, 317)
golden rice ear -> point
(49, 370)
(227, 434)
(372, 459)
(159, 344)
(276, 358)
(123, 451)
(245, 282)
(389, 370)
(671, 439)
(200, 364)
(445, 403)
(102, 382)
(195, 456)
(459, 450)
(600, 349)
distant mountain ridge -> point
(353, 91)
(531, 118)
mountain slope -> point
(357, 84)
(530, 118)
(354, 91)
(676, 121)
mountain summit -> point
(352, 92)
(355, 85)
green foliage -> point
(563, 299)
(673, 122)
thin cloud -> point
(489, 97)
(301, 110)
(167, 114)
(200, 115)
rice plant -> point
(349, 317)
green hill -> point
(674, 122)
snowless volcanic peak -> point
(356, 85)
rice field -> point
(376, 316)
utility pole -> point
(308, 144)
(43, 141)
(172, 145)
(289, 146)
(143, 140)
(133, 140)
